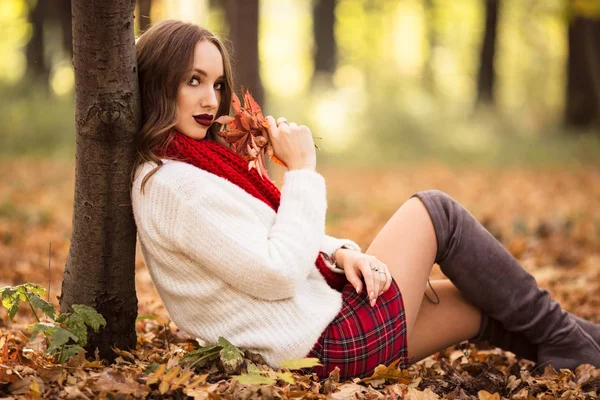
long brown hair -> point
(165, 55)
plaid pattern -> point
(361, 337)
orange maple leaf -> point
(246, 132)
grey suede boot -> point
(494, 333)
(490, 278)
(589, 327)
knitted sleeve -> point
(222, 233)
(330, 244)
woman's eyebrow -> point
(203, 73)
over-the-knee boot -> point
(494, 333)
(489, 277)
(589, 327)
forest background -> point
(496, 102)
(379, 80)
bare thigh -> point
(407, 244)
(438, 326)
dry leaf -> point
(164, 387)
(391, 373)
(24, 386)
(247, 132)
(36, 187)
(197, 394)
(427, 394)
(485, 395)
(110, 382)
(35, 391)
(73, 393)
(347, 391)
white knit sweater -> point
(225, 264)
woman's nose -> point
(209, 100)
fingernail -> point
(357, 289)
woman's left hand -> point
(359, 266)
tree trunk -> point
(324, 38)
(486, 77)
(582, 108)
(145, 6)
(242, 16)
(100, 265)
(36, 63)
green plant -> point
(258, 376)
(66, 334)
(232, 360)
(231, 357)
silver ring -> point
(282, 120)
(374, 268)
(382, 272)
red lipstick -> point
(204, 119)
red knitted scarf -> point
(221, 161)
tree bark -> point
(100, 265)
(242, 16)
(324, 37)
(36, 62)
(145, 6)
(582, 109)
(486, 77)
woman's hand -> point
(292, 144)
(358, 266)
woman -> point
(231, 256)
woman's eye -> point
(219, 86)
(194, 80)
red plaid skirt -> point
(361, 337)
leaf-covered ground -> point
(548, 218)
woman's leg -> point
(407, 245)
(436, 328)
(441, 325)
(489, 277)
(487, 273)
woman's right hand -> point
(360, 267)
(292, 144)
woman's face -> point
(199, 96)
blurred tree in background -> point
(486, 76)
(37, 68)
(243, 19)
(45, 16)
(379, 80)
(144, 11)
(583, 66)
(325, 53)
